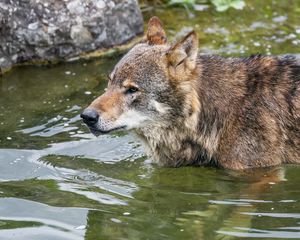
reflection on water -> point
(45, 221)
(59, 182)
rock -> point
(75, 7)
(80, 35)
(100, 4)
(33, 26)
(50, 30)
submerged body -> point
(188, 109)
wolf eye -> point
(131, 90)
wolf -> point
(202, 110)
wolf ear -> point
(184, 52)
(155, 33)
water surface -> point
(59, 182)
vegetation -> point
(223, 5)
(220, 5)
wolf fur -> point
(189, 109)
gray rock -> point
(100, 4)
(80, 35)
(49, 30)
(76, 7)
(33, 26)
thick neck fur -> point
(194, 138)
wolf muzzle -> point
(90, 117)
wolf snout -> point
(90, 116)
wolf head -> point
(149, 85)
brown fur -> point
(233, 113)
(155, 34)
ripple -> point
(56, 222)
(257, 233)
(273, 215)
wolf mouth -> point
(97, 131)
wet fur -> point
(248, 115)
(232, 113)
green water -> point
(59, 182)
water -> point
(59, 182)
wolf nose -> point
(89, 116)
